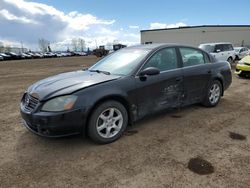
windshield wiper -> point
(100, 71)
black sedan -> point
(122, 88)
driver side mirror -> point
(218, 50)
(150, 71)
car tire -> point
(241, 75)
(107, 122)
(230, 60)
(213, 94)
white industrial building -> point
(238, 35)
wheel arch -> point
(222, 84)
(119, 98)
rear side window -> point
(231, 48)
(227, 47)
(192, 57)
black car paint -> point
(140, 95)
(67, 83)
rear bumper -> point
(48, 124)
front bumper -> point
(50, 124)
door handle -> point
(179, 79)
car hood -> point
(67, 83)
(246, 59)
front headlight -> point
(60, 103)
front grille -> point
(30, 102)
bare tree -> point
(7, 49)
(81, 43)
(43, 44)
(74, 44)
(1, 48)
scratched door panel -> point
(195, 82)
(159, 92)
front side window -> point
(165, 59)
(191, 57)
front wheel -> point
(108, 122)
(213, 95)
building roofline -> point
(198, 26)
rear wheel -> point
(213, 95)
(107, 123)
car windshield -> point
(207, 48)
(122, 62)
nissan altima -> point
(121, 88)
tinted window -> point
(219, 47)
(227, 47)
(164, 59)
(191, 57)
(231, 47)
(208, 48)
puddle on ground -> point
(176, 116)
(200, 166)
(130, 132)
(237, 136)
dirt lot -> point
(154, 153)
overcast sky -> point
(101, 21)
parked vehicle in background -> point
(118, 47)
(5, 56)
(49, 54)
(121, 88)
(241, 52)
(243, 67)
(81, 53)
(14, 56)
(100, 52)
(1, 58)
(25, 56)
(38, 55)
(221, 51)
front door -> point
(160, 91)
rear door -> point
(163, 90)
(196, 74)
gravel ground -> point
(155, 152)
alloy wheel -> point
(109, 123)
(214, 93)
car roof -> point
(155, 46)
(214, 43)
